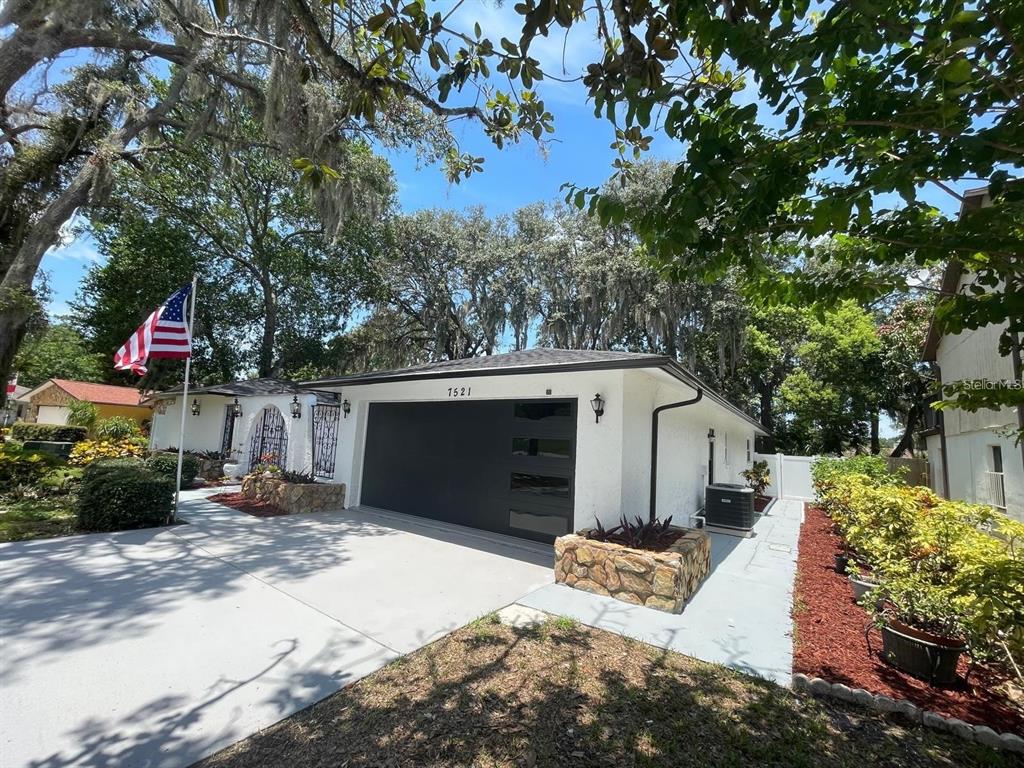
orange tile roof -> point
(107, 394)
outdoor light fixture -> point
(711, 435)
(195, 406)
(296, 407)
(598, 405)
(346, 407)
(236, 409)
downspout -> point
(654, 446)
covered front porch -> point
(259, 421)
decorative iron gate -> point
(325, 439)
(228, 435)
(269, 441)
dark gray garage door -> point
(501, 465)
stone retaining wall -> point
(294, 498)
(661, 580)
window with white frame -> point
(748, 450)
(995, 477)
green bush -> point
(166, 464)
(56, 433)
(118, 498)
(943, 566)
(117, 428)
(104, 465)
(21, 467)
(82, 413)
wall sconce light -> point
(195, 406)
(236, 409)
(598, 405)
(711, 435)
(346, 407)
(296, 407)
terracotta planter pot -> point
(931, 657)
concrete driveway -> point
(158, 647)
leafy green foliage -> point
(256, 239)
(943, 566)
(116, 498)
(87, 452)
(82, 413)
(758, 477)
(641, 534)
(57, 433)
(117, 428)
(166, 464)
(58, 352)
(19, 467)
(301, 478)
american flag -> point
(164, 334)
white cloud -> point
(79, 249)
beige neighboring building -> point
(973, 456)
(48, 402)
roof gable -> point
(87, 391)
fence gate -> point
(325, 439)
(269, 442)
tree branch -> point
(346, 70)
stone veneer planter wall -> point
(294, 498)
(661, 580)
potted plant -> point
(759, 478)
(861, 580)
(919, 634)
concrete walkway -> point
(740, 617)
(154, 648)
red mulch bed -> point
(242, 503)
(830, 641)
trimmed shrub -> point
(89, 451)
(166, 464)
(119, 498)
(19, 466)
(117, 428)
(944, 566)
(54, 433)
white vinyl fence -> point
(790, 475)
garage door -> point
(500, 465)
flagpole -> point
(184, 398)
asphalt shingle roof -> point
(527, 358)
(538, 360)
(249, 387)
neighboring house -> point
(16, 406)
(244, 418)
(973, 456)
(48, 402)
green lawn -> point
(36, 518)
(566, 695)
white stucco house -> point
(533, 443)
(245, 421)
(973, 456)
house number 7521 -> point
(459, 391)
